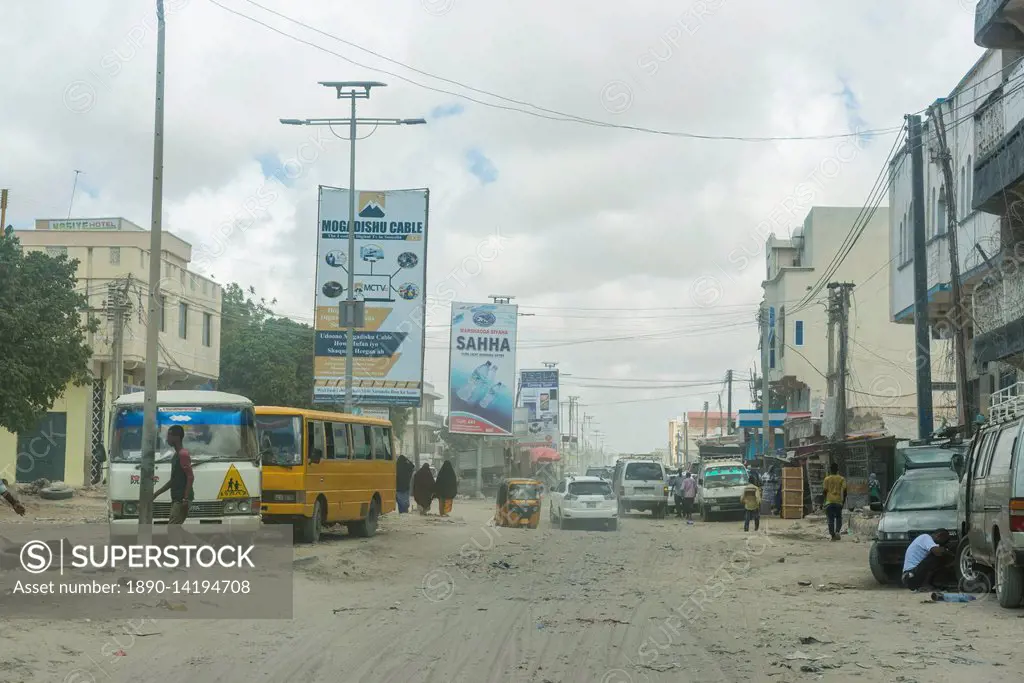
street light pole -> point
(352, 91)
(150, 430)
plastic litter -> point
(953, 597)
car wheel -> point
(973, 578)
(1009, 577)
(878, 570)
(312, 526)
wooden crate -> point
(793, 512)
(793, 499)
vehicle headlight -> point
(893, 536)
(131, 509)
(230, 507)
(244, 507)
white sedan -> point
(580, 499)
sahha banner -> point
(482, 369)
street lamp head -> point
(293, 122)
(353, 84)
(357, 90)
(413, 122)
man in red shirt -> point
(181, 479)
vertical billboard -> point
(482, 369)
(538, 396)
(390, 277)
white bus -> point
(220, 436)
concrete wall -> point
(16, 466)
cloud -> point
(446, 110)
(481, 167)
(608, 232)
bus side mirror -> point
(876, 507)
(100, 454)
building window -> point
(115, 256)
(56, 252)
(962, 194)
(931, 214)
(207, 329)
(940, 213)
(183, 320)
(181, 276)
(968, 209)
(782, 332)
(142, 259)
(799, 325)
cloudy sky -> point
(621, 244)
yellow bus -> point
(323, 468)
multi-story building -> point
(881, 376)
(113, 271)
(982, 117)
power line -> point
(552, 114)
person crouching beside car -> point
(926, 556)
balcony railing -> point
(999, 303)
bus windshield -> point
(280, 438)
(211, 433)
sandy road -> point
(457, 600)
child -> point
(752, 502)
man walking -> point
(181, 479)
(689, 494)
(751, 499)
(677, 493)
(834, 493)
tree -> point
(400, 417)
(42, 333)
(263, 356)
(458, 442)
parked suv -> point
(640, 485)
(991, 509)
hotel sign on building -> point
(85, 224)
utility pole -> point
(925, 421)
(843, 297)
(686, 440)
(833, 317)
(766, 435)
(728, 417)
(117, 308)
(3, 210)
(150, 431)
(480, 465)
(957, 312)
(705, 419)
(416, 434)
(351, 312)
(74, 187)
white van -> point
(640, 484)
(720, 485)
(220, 436)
